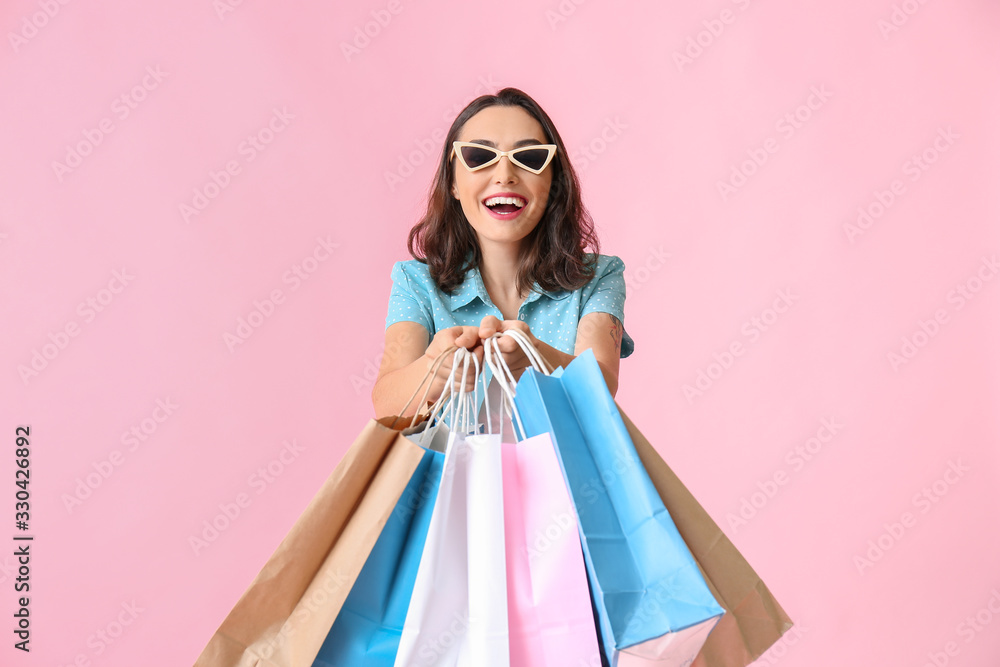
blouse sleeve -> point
(608, 296)
(405, 302)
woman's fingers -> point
(457, 362)
(459, 336)
(489, 326)
(510, 346)
(468, 338)
(507, 344)
(479, 352)
(465, 337)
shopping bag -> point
(548, 600)
(283, 617)
(368, 628)
(754, 620)
(366, 631)
(457, 616)
(653, 605)
(549, 612)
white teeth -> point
(516, 201)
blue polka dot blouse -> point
(553, 317)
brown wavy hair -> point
(553, 254)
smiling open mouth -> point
(505, 205)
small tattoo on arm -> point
(616, 332)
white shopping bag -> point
(458, 611)
(457, 615)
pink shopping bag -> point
(550, 618)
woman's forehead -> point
(502, 126)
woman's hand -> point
(459, 336)
(512, 354)
(592, 333)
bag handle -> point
(459, 403)
(448, 394)
(461, 414)
(441, 402)
(431, 371)
(505, 377)
(538, 362)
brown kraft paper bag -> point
(754, 620)
(284, 616)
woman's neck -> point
(499, 272)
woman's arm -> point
(602, 332)
(406, 360)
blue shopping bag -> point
(653, 606)
(366, 632)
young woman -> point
(501, 246)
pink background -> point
(652, 136)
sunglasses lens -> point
(476, 157)
(533, 158)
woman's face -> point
(503, 128)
